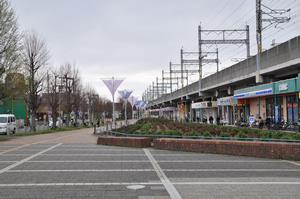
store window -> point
(292, 108)
(274, 109)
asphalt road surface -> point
(71, 165)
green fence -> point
(14, 106)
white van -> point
(7, 124)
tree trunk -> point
(54, 120)
(33, 122)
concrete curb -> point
(274, 150)
(137, 142)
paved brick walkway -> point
(71, 165)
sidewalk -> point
(109, 126)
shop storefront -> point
(288, 93)
(182, 112)
(166, 112)
(254, 99)
(205, 112)
(275, 102)
(169, 112)
(241, 111)
(226, 110)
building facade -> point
(276, 102)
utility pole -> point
(217, 53)
(170, 67)
(258, 78)
(181, 67)
(200, 59)
(273, 16)
(163, 81)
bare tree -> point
(35, 58)
(77, 95)
(10, 45)
(92, 101)
(53, 95)
(67, 82)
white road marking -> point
(81, 184)
(292, 162)
(236, 183)
(174, 194)
(232, 170)
(88, 161)
(105, 154)
(4, 161)
(16, 154)
(220, 161)
(85, 149)
(80, 170)
(147, 183)
(27, 159)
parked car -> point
(7, 124)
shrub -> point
(146, 127)
(206, 134)
(241, 134)
(168, 127)
(224, 134)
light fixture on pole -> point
(112, 85)
(125, 95)
(132, 100)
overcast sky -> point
(135, 39)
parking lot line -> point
(174, 194)
(233, 170)
(93, 149)
(81, 184)
(147, 183)
(236, 183)
(292, 162)
(220, 161)
(80, 170)
(106, 154)
(28, 158)
(87, 161)
(16, 154)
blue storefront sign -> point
(263, 92)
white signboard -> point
(206, 104)
(283, 87)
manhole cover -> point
(135, 187)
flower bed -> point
(153, 126)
